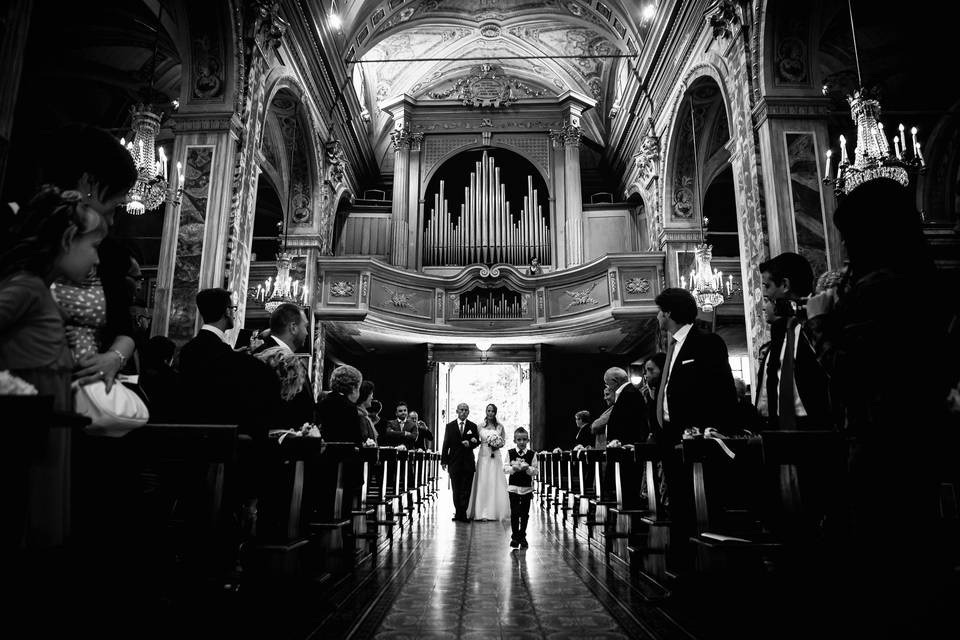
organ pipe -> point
(487, 229)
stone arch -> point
(473, 145)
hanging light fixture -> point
(283, 289)
(872, 157)
(705, 282)
(150, 189)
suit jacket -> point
(811, 380)
(339, 419)
(405, 434)
(628, 419)
(301, 408)
(222, 386)
(700, 391)
(268, 343)
(458, 458)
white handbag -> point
(113, 414)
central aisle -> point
(469, 583)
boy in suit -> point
(521, 468)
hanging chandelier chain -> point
(853, 33)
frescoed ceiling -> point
(422, 48)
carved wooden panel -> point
(406, 301)
(341, 289)
(578, 298)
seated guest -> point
(584, 436)
(401, 430)
(288, 332)
(792, 387)
(363, 408)
(424, 436)
(337, 411)
(628, 418)
(159, 380)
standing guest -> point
(374, 412)
(288, 332)
(337, 411)
(584, 437)
(891, 432)
(599, 426)
(364, 402)
(696, 392)
(159, 380)
(99, 326)
(424, 436)
(401, 430)
(652, 370)
(628, 418)
(55, 239)
(459, 440)
(792, 387)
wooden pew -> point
(540, 482)
(335, 480)
(628, 473)
(589, 471)
(567, 485)
(649, 539)
(728, 535)
(366, 531)
(390, 482)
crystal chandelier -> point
(706, 283)
(281, 289)
(150, 189)
(871, 151)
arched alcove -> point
(486, 205)
(267, 221)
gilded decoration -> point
(341, 289)
(581, 296)
(487, 86)
(637, 286)
(400, 300)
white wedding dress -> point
(488, 497)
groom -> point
(459, 441)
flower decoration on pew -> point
(614, 444)
(370, 442)
(559, 450)
(401, 447)
(579, 447)
(11, 385)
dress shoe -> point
(514, 544)
(523, 544)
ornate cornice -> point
(205, 122)
(794, 108)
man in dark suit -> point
(697, 389)
(222, 386)
(402, 429)
(792, 387)
(288, 332)
(459, 440)
(628, 419)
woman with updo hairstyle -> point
(337, 411)
(888, 302)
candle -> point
(163, 163)
(916, 150)
(826, 172)
(903, 139)
(896, 146)
(843, 150)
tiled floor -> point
(468, 583)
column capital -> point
(268, 26)
(568, 135)
(405, 138)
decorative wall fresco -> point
(805, 198)
(193, 215)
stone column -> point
(401, 165)
(573, 198)
(558, 208)
(192, 250)
(428, 412)
(414, 204)
(538, 402)
(14, 27)
(792, 134)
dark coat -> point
(339, 419)
(812, 381)
(700, 391)
(628, 420)
(458, 458)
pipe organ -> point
(486, 230)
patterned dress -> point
(85, 308)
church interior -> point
(484, 201)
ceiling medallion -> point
(490, 31)
(487, 87)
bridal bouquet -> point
(494, 441)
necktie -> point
(461, 429)
(664, 378)
(772, 382)
(786, 406)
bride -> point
(488, 497)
